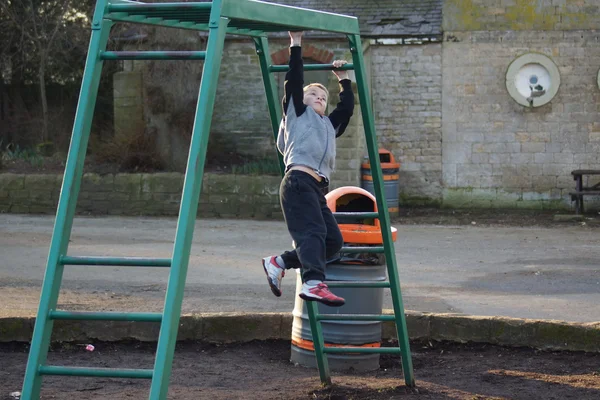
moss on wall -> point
(519, 15)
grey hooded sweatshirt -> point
(305, 137)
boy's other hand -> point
(340, 74)
(295, 38)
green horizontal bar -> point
(97, 372)
(289, 18)
(117, 261)
(353, 250)
(104, 316)
(144, 7)
(357, 284)
(153, 55)
(355, 215)
(355, 317)
(312, 67)
(363, 350)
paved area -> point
(546, 273)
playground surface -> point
(513, 265)
(261, 370)
(520, 265)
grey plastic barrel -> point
(356, 333)
(390, 171)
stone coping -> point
(244, 327)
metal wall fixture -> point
(532, 80)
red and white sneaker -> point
(322, 294)
(274, 274)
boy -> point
(307, 141)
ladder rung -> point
(358, 284)
(355, 317)
(96, 372)
(351, 250)
(153, 55)
(355, 215)
(104, 316)
(312, 67)
(144, 7)
(368, 350)
(117, 261)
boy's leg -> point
(301, 208)
(333, 243)
(301, 211)
(334, 240)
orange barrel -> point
(350, 267)
(390, 170)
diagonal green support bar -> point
(189, 205)
(262, 50)
(318, 342)
(384, 219)
(66, 204)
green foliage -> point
(14, 152)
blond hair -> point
(307, 87)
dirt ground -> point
(262, 371)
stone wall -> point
(497, 153)
(407, 82)
(240, 122)
(224, 196)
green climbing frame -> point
(241, 17)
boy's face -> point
(316, 98)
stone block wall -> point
(407, 87)
(223, 196)
(497, 153)
(240, 122)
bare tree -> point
(41, 34)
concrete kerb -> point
(244, 327)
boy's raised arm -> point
(294, 78)
(345, 108)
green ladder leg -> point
(66, 205)
(390, 255)
(189, 206)
(383, 215)
(262, 50)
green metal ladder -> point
(251, 18)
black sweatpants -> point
(311, 224)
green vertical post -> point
(262, 49)
(318, 342)
(369, 124)
(189, 204)
(66, 205)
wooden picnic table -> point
(581, 190)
